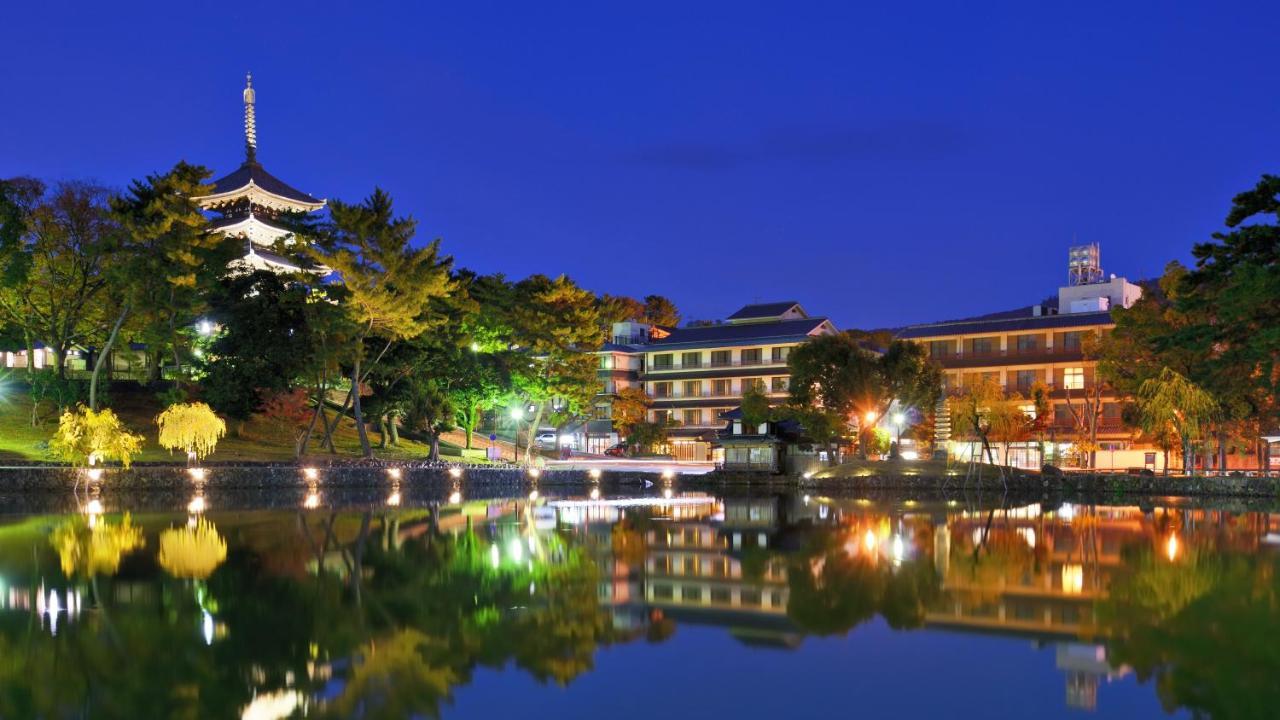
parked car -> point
(545, 438)
(619, 450)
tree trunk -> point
(103, 355)
(361, 431)
(382, 431)
(395, 431)
(533, 432)
(435, 447)
(31, 353)
(60, 362)
(1222, 451)
(1166, 461)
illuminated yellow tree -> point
(192, 552)
(87, 436)
(192, 428)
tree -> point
(173, 260)
(66, 240)
(389, 283)
(193, 551)
(972, 413)
(630, 406)
(658, 310)
(556, 328)
(755, 408)
(1171, 401)
(429, 410)
(263, 346)
(619, 308)
(88, 436)
(192, 428)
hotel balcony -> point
(711, 395)
(1056, 392)
(1012, 356)
(677, 366)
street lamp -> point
(517, 414)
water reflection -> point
(388, 612)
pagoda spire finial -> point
(250, 126)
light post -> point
(898, 419)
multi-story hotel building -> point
(692, 375)
(1043, 344)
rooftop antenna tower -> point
(1084, 264)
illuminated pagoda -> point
(250, 203)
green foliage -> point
(1170, 403)
(192, 428)
(648, 436)
(658, 310)
(755, 408)
(88, 549)
(86, 436)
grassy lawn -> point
(260, 440)
(931, 468)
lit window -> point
(1073, 378)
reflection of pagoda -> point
(250, 203)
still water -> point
(639, 606)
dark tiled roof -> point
(763, 310)
(782, 331)
(615, 347)
(232, 220)
(252, 170)
(1006, 324)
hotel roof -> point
(1006, 322)
(745, 334)
(764, 310)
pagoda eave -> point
(257, 196)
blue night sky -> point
(881, 165)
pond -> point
(635, 605)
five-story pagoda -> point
(250, 202)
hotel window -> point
(751, 356)
(721, 388)
(693, 388)
(780, 354)
(606, 362)
(1029, 343)
(1071, 340)
(1073, 378)
(662, 389)
(721, 358)
(1025, 379)
(691, 359)
(778, 384)
(662, 416)
(602, 412)
(940, 348)
(1062, 415)
(1029, 411)
(982, 346)
(692, 417)
(752, 384)
(662, 362)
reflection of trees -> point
(192, 552)
(1203, 626)
(90, 550)
(398, 676)
(832, 591)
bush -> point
(85, 436)
(192, 428)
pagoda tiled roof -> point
(252, 171)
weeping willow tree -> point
(192, 552)
(96, 549)
(1171, 402)
(86, 436)
(191, 427)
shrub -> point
(86, 436)
(192, 428)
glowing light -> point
(632, 502)
(94, 474)
(205, 327)
(899, 549)
(517, 413)
(595, 493)
(516, 549)
(93, 507)
(455, 472)
(533, 495)
(310, 473)
(196, 474)
(666, 493)
(869, 541)
(394, 473)
(909, 455)
(312, 500)
(206, 625)
(394, 499)
(475, 347)
(808, 475)
(1171, 548)
(455, 497)
(534, 472)
(594, 473)
(1072, 579)
(806, 499)
(493, 556)
(668, 474)
(870, 416)
(197, 505)
(898, 419)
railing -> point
(709, 395)
(763, 362)
(1055, 390)
(1043, 354)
